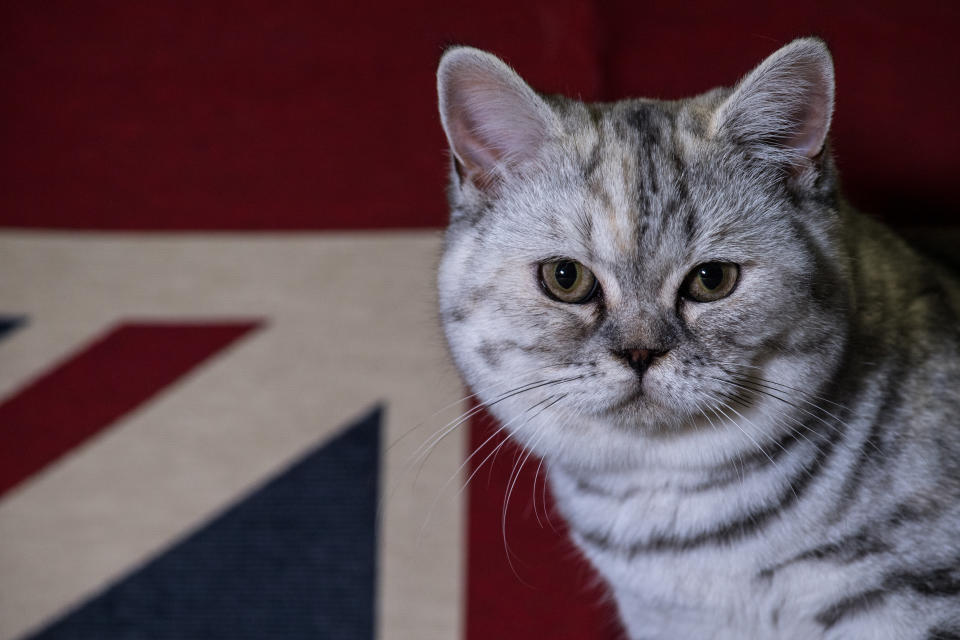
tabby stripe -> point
(596, 153)
(593, 162)
(856, 475)
(722, 475)
(850, 548)
(939, 633)
(870, 448)
(866, 541)
(850, 606)
(728, 532)
(906, 512)
(584, 487)
(584, 225)
(689, 224)
(847, 549)
(934, 583)
(641, 120)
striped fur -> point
(789, 464)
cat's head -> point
(619, 277)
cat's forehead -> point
(633, 176)
(633, 186)
(641, 181)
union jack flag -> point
(203, 439)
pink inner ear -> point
(813, 119)
(473, 153)
(493, 120)
(784, 106)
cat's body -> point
(775, 456)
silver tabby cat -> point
(746, 393)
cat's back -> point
(907, 341)
(906, 304)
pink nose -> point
(639, 359)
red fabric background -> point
(525, 577)
(321, 115)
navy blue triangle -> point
(295, 559)
(9, 323)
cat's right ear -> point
(782, 109)
(493, 120)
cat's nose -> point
(639, 359)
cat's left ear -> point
(493, 120)
(782, 109)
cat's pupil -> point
(566, 274)
(711, 275)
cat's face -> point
(623, 274)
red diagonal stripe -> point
(98, 385)
(550, 591)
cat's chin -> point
(638, 433)
(603, 444)
(640, 416)
(641, 410)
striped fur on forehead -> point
(635, 182)
(654, 192)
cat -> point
(746, 394)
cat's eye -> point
(568, 281)
(711, 281)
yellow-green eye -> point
(568, 281)
(711, 281)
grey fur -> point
(789, 464)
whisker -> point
(512, 480)
(475, 394)
(778, 421)
(471, 411)
(743, 465)
(492, 453)
(477, 450)
(421, 454)
(779, 384)
(533, 494)
(753, 424)
(746, 384)
(760, 382)
(761, 449)
(546, 511)
(445, 431)
(739, 469)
